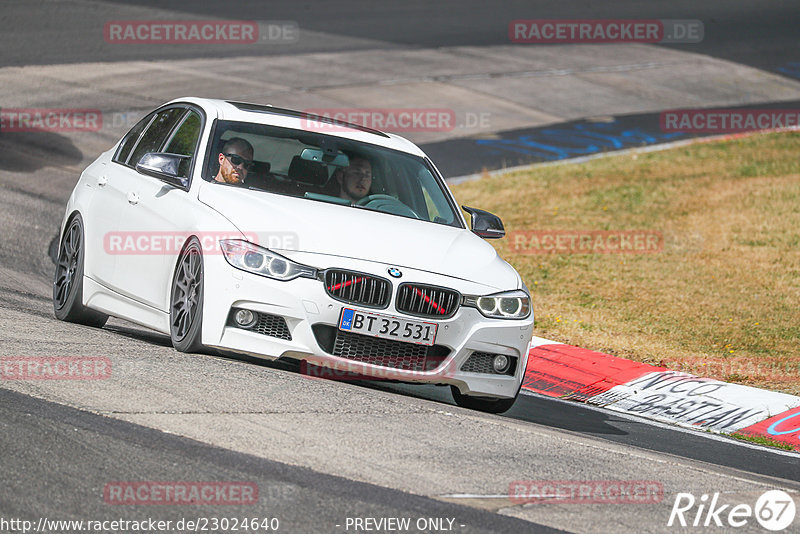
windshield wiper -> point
(326, 198)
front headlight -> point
(508, 305)
(254, 259)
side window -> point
(156, 133)
(184, 141)
(130, 139)
(185, 138)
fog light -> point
(500, 363)
(246, 318)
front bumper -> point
(305, 307)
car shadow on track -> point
(140, 334)
(136, 332)
(565, 416)
(532, 409)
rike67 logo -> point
(774, 510)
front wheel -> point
(482, 404)
(186, 300)
(68, 279)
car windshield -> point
(326, 168)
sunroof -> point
(259, 108)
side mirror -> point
(168, 168)
(485, 224)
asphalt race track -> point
(324, 453)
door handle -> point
(133, 198)
(102, 181)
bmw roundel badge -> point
(395, 272)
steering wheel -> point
(388, 204)
(369, 198)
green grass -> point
(725, 288)
(763, 440)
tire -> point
(68, 279)
(483, 404)
(186, 299)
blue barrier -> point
(577, 140)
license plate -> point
(387, 327)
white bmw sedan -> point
(278, 234)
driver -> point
(355, 180)
(235, 161)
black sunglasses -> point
(238, 160)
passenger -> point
(235, 161)
(355, 180)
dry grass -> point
(722, 299)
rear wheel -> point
(68, 279)
(186, 300)
(482, 404)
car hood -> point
(286, 224)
